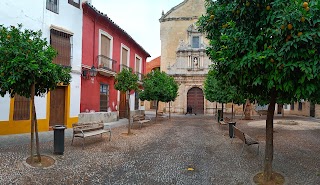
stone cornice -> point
(171, 10)
(179, 19)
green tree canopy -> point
(26, 69)
(158, 86)
(216, 90)
(25, 59)
(126, 81)
(268, 49)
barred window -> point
(21, 108)
(53, 5)
(61, 42)
(104, 97)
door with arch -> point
(195, 100)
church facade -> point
(183, 56)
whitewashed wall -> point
(34, 15)
(4, 108)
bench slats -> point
(84, 130)
(140, 119)
(224, 121)
(247, 140)
(92, 133)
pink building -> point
(107, 48)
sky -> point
(139, 18)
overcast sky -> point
(139, 18)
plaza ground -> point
(162, 152)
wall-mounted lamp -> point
(93, 71)
(87, 73)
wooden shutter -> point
(21, 108)
(60, 41)
(125, 57)
(138, 65)
(105, 46)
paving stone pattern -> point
(160, 153)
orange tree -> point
(216, 90)
(126, 81)
(266, 48)
(26, 69)
(159, 86)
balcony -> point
(123, 66)
(140, 76)
(106, 66)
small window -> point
(53, 5)
(300, 106)
(292, 106)
(195, 42)
(75, 3)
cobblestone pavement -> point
(161, 153)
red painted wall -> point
(92, 23)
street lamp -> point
(93, 71)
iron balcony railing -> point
(140, 76)
(123, 66)
(107, 63)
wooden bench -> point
(140, 119)
(84, 130)
(247, 140)
(262, 112)
(161, 114)
(224, 121)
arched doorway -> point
(195, 100)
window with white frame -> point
(138, 67)
(53, 5)
(105, 51)
(125, 52)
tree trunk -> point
(169, 110)
(128, 109)
(217, 108)
(157, 110)
(37, 133)
(32, 122)
(222, 112)
(269, 138)
(247, 110)
(232, 111)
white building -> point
(61, 24)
